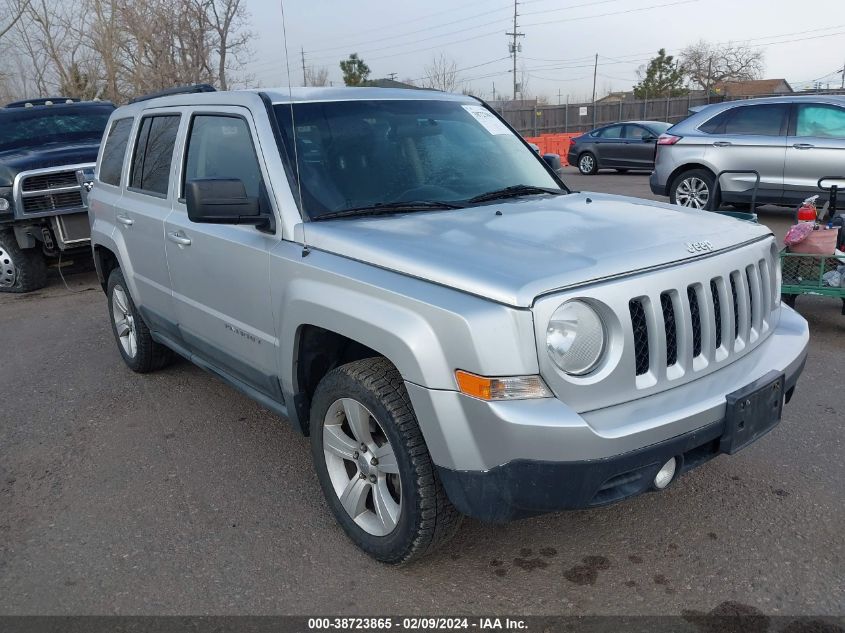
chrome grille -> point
(50, 181)
(690, 334)
(46, 192)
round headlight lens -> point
(4, 205)
(575, 338)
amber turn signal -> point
(501, 388)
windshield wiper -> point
(380, 208)
(514, 191)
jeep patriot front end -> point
(404, 279)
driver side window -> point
(220, 146)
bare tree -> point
(441, 74)
(708, 64)
(317, 76)
(11, 11)
(227, 20)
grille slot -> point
(50, 181)
(640, 328)
(695, 316)
(717, 312)
(52, 201)
(735, 299)
(671, 329)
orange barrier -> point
(554, 144)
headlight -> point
(575, 338)
(5, 199)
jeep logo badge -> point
(699, 247)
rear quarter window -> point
(114, 151)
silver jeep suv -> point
(402, 278)
(790, 141)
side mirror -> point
(222, 201)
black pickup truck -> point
(48, 148)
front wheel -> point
(587, 164)
(21, 270)
(694, 189)
(373, 464)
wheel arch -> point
(105, 261)
(684, 168)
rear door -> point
(221, 272)
(750, 137)
(140, 215)
(815, 148)
(609, 146)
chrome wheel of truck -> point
(8, 271)
(373, 464)
(21, 270)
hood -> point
(14, 161)
(537, 244)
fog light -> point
(4, 205)
(665, 474)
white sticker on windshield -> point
(487, 119)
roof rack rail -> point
(29, 103)
(178, 90)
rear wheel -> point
(694, 189)
(373, 464)
(137, 347)
(587, 164)
(21, 270)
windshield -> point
(356, 154)
(33, 127)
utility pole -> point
(391, 76)
(514, 46)
(595, 74)
(842, 72)
(709, 73)
(558, 96)
(304, 77)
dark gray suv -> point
(790, 141)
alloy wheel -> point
(8, 270)
(362, 466)
(586, 163)
(124, 322)
(693, 192)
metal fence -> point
(578, 117)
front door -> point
(609, 144)
(639, 149)
(220, 273)
(814, 149)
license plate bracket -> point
(752, 411)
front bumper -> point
(503, 460)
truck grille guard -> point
(51, 191)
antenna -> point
(305, 251)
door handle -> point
(722, 144)
(803, 145)
(179, 238)
(125, 219)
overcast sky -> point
(803, 41)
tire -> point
(587, 163)
(402, 512)
(694, 189)
(134, 342)
(21, 270)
